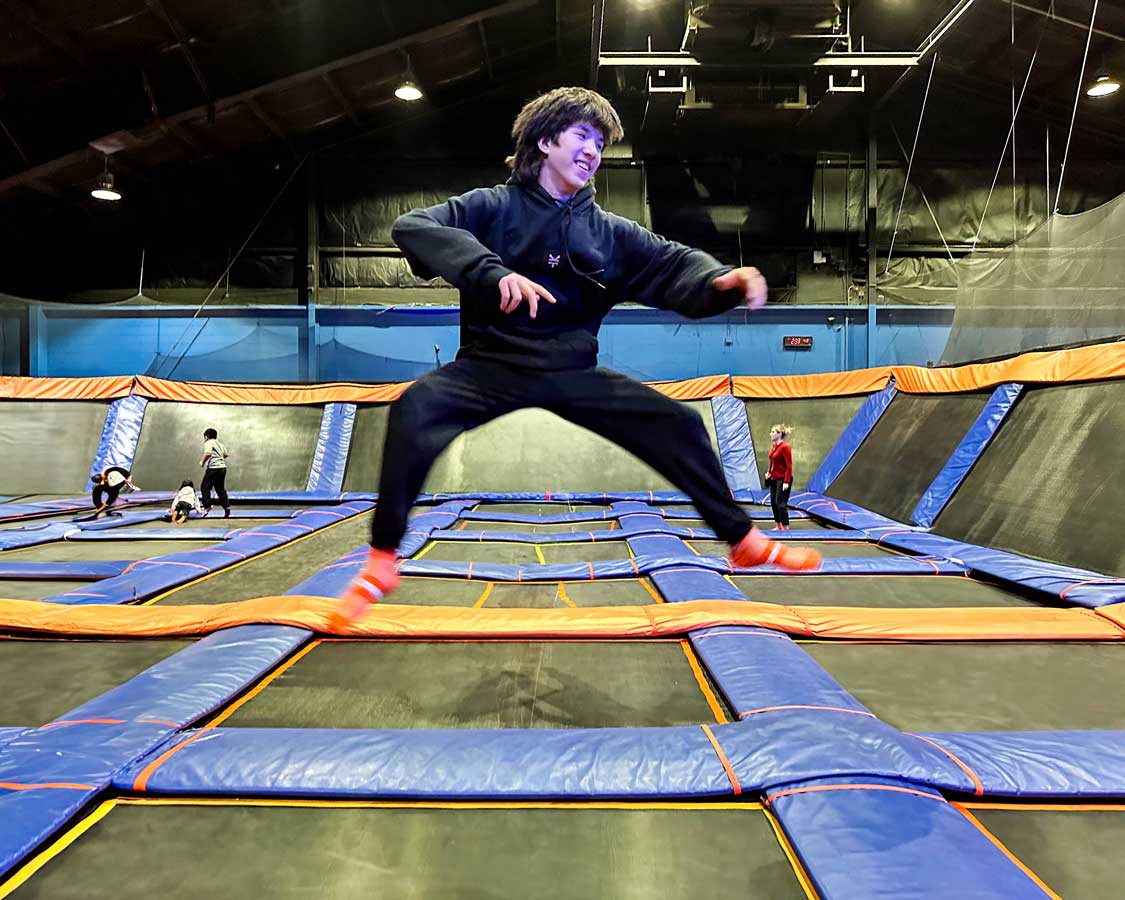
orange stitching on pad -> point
(978, 787)
(735, 786)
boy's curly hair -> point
(551, 114)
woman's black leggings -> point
(215, 479)
(779, 500)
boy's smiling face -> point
(572, 158)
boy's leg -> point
(205, 489)
(671, 438)
(422, 422)
(220, 479)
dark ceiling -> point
(154, 85)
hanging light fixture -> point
(408, 90)
(104, 190)
(1103, 85)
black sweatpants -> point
(215, 479)
(467, 393)
(103, 493)
(779, 500)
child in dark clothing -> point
(533, 343)
(107, 485)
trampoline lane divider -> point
(122, 431)
(736, 445)
(851, 437)
(972, 445)
(840, 829)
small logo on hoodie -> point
(553, 259)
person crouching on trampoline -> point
(184, 502)
(538, 266)
(107, 485)
(214, 464)
(779, 479)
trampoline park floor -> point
(341, 849)
(880, 591)
(981, 686)
(483, 684)
(68, 673)
(38, 588)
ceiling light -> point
(408, 91)
(1103, 85)
(105, 189)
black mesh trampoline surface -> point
(883, 591)
(523, 554)
(43, 679)
(1050, 472)
(817, 422)
(54, 441)
(982, 686)
(484, 684)
(271, 447)
(548, 451)
(138, 849)
(905, 451)
(1074, 849)
(37, 588)
(421, 591)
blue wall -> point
(376, 344)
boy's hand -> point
(746, 280)
(514, 289)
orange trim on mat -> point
(826, 384)
(978, 788)
(110, 387)
(731, 777)
(694, 388)
(816, 789)
(282, 395)
(1095, 363)
(999, 845)
(146, 773)
(60, 785)
(655, 620)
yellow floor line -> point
(563, 596)
(701, 680)
(254, 558)
(791, 855)
(41, 859)
(484, 596)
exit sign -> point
(796, 342)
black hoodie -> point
(587, 258)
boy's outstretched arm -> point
(443, 240)
(668, 275)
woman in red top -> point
(779, 479)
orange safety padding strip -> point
(1112, 612)
(694, 388)
(736, 788)
(1094, 363)
(826, 384)
(106, 388)
(60, 785)
(392, 621)
(978, 787)
(316, 394)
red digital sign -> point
(796, 342)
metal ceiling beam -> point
(597, 22)
(928, 45)
(684, 59)
(428, 34)
(484, 49)
(1055, 17)
(341, 99)
(185, 41)
(271, 124)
